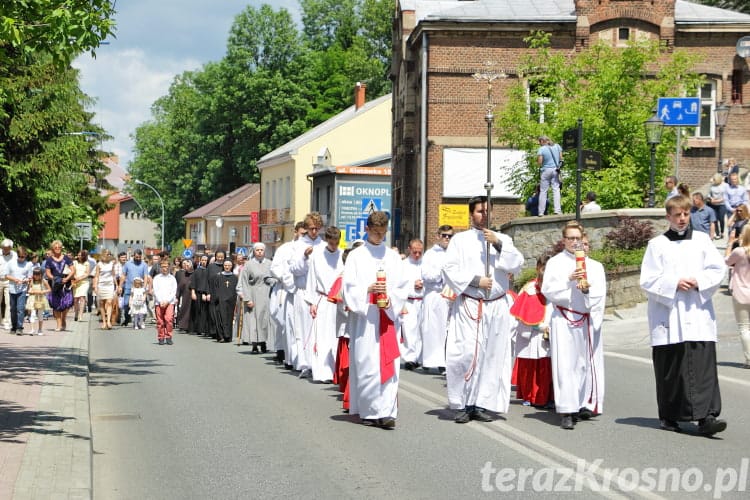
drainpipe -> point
(423, 143)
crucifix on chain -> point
(489, 74)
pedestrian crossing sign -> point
(370, 205)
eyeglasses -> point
(572, 238)
(446, 235)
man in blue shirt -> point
(135, 268)
(19, 277)
(702, 217)
(549, 158)
(734, 194)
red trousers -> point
(164, 321)
(534, 380)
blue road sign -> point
(679, 111)
(370, 205)
(361, 224)
(187, 253)
(241, 251)
(351, 232)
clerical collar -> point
(673, 235)
(227, 273)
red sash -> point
(335, 295)
(389, 351)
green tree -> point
(51, 173)
(613, 91)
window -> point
(265, 196)
(273, 194)
(707, 95)
(538, 100)
(737, 86)
(246, 235)
(623, 35)
(288, 192)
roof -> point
(332, 123)
(241, 201)
(517, 11)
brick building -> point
(439, 133)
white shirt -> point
(165, 288)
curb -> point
(57, 462)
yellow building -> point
(360, 132)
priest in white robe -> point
(374, 354)
(327, 318)
(478, 350)
(681, 271)
(575, 329)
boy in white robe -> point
(298, 265)
(325, 266)
(578, 296)
(283, 310)
(435, 307)
(478, 350)
(374, 354)
(411, 316)
(681, 271)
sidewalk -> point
(45, 429)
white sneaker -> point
(40, 332)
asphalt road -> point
(207, 420)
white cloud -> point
(125, 84)
(155, 41)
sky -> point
(154, 42)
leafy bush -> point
(615, 258)
(630, 234)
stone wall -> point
(533, 235)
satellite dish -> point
(219, 222)
(743, 46)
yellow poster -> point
(453, 215)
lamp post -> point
(654, 128)
(721, 113)
(162, 207)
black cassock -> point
(224, 286)
(185, 313)
(213, 269)
(200, 314)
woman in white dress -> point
(104, 288)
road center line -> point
(522, 442)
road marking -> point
(522, 442)
(647, 361)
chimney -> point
(359, 95)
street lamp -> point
(721, 113)
(162, 207)
(654, 128)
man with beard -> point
(478, 352)
(681, 271)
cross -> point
(489, 75)
(227, 283)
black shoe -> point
(462, 417)
(480, 415)
(409, 365)
(441, 369)
(370, 422)
(585, 414)
(387, 423)
(711, 425)
(161, 341)
(169, 341)
(669, 425)
(263, 348)
(567, 422)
